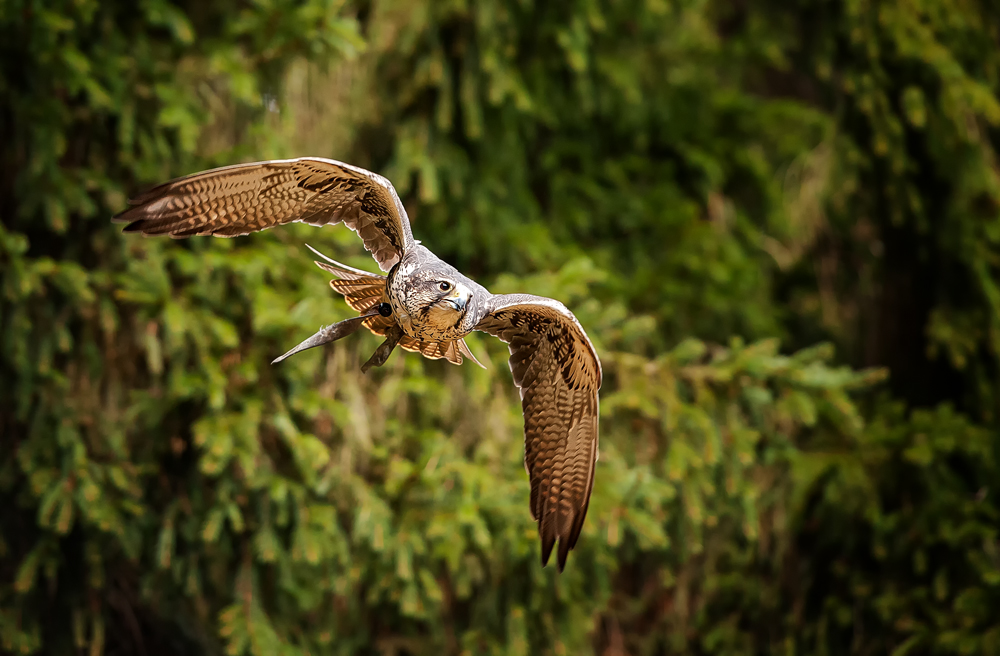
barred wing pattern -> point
(558, 373)
(244, 198)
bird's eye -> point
(444, 286)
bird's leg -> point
(381, 354)
(328, 334)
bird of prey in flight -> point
(421, 304)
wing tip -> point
(144, 227)
(548, 541)
(562, 553)
(148, 227)
(120, 216)
(131, 215)
(565, 545)
(134, 226)
(567, 539)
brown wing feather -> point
(237, 200)
(558, 373)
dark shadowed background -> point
(778, 221)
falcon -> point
(421, 304)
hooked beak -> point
(459, 298)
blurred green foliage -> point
(696, 179)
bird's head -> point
(439, 298)
(447, 296)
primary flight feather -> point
(421, 304)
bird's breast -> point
(441, 323)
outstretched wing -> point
(237, 200)
(363, 291)
(558, 374)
